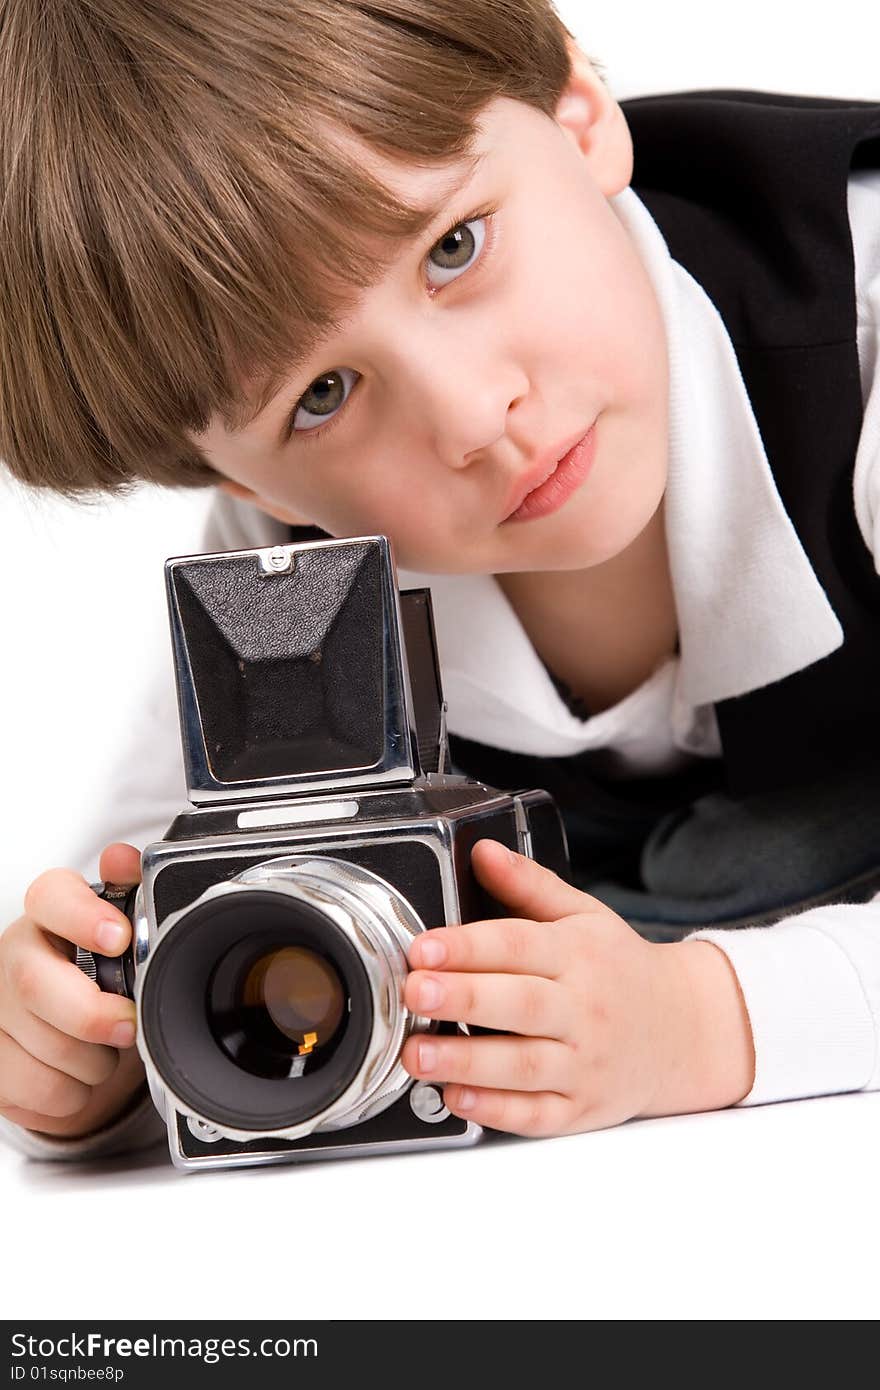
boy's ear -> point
(246, 494)
(591, 117)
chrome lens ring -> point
(379, 923)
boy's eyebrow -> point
(252, 412)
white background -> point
(743, 1214)
(768, 1212)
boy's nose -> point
(468, 409)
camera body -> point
(271, 926)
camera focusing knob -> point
(85, 962)
(426, 1102)
(107, 972)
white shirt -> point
(750, 611)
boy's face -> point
(477, 358)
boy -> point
(419, 296)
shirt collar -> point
(750, 607)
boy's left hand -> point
(609, 1025)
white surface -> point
(764, 1213)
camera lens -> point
(256, 1010)
(277, 1012)
(302, 993)
(275, 1002)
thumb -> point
(120, 863)
(525, 886)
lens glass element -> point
(301, 992)
(277, 1010)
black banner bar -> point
(312, 1353)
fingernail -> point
(122, 1034)
(110, 936)
(427, 1056)
(467, 1099)
(431, 994)
(431, 952)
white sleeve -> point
(811, 984)
(146, 791)
(139, 1127)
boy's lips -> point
(540, 472)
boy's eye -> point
(456, 251)
(326, 394)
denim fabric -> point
(674, 853)
(725, 862)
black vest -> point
(749, 192)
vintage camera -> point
(271, 927)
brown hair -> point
(177, 222)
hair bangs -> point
(191, 202)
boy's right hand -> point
(67, 1061)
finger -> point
(56, 991)
(517, 1064)
(120, 863)
(527, 887)
(516, 1003)
(534, 1114)
(507, 944)
(86, 1062)
(61, 902)
(30, 1119)
(31, 1084)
